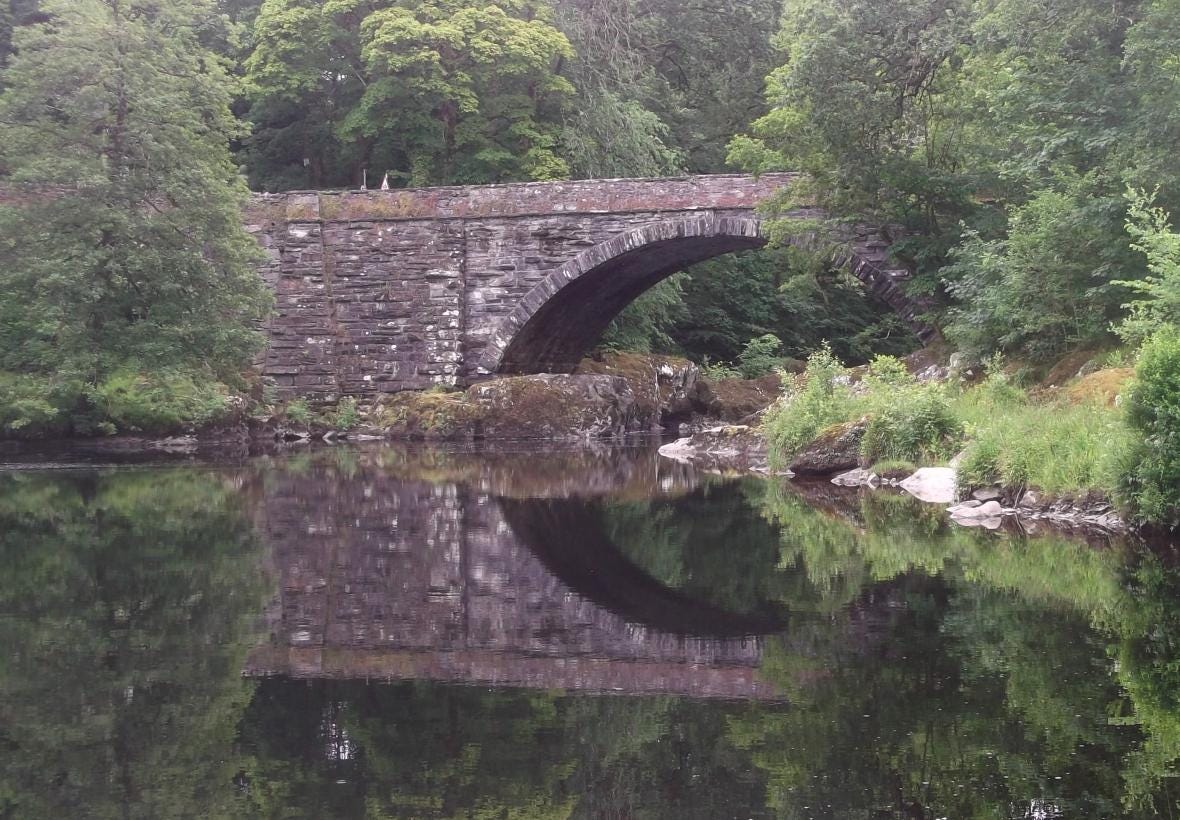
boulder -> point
(987, 494)
(559, 407)
(835, 450)
(665, 387)
(736, 400)
(935, 485)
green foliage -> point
(888, 371)
(1158, 294)
(1152, 483)
(662, 84)
(1041, 291)
(1004, 134)
(911, 422)
(760, 356)
(865, 104)
(298, 412)
(162, 402)
(469, 87)
(138, 259)
(1019, 443)
(721, 305)
(346, 416)
(645, 324)
(799, 416)
(34, 405)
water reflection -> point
(384, 575)
(585, 634)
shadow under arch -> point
(567, 312)
(565, 315)
(568, 537)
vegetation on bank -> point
(1001, 433)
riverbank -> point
(1076, 448)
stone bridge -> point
(383, 291)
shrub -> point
(888, 371)
(760, 356)
(911, 423)
(298, 412)
(34, 405)
(1153, 484)
(164, 402)
(796, 419)
(346, 416)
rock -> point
(993, 523)
(857, 478)
(836, 450)
(987, 494)
(552, 407)
(933, 373)
(935, 485)
(559, 407)
(727, 448)
(986, 514)
(1111, 522)
(736, 400)
(665, 387)
(1030, 500)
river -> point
(386, 632)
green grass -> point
(1006, 436)
(1055, 447)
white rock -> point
(934, 485)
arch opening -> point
(564, 316)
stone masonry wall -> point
(383, 291)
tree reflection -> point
(125, 603)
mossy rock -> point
(834, 450)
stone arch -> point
(564, 315)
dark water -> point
(384, 633)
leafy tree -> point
(866, 104)
(1153, 467)
(127, 251)
(1042, 290)
(431, 92)
(14, 13)
(1158, 294)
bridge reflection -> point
(492, 571)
